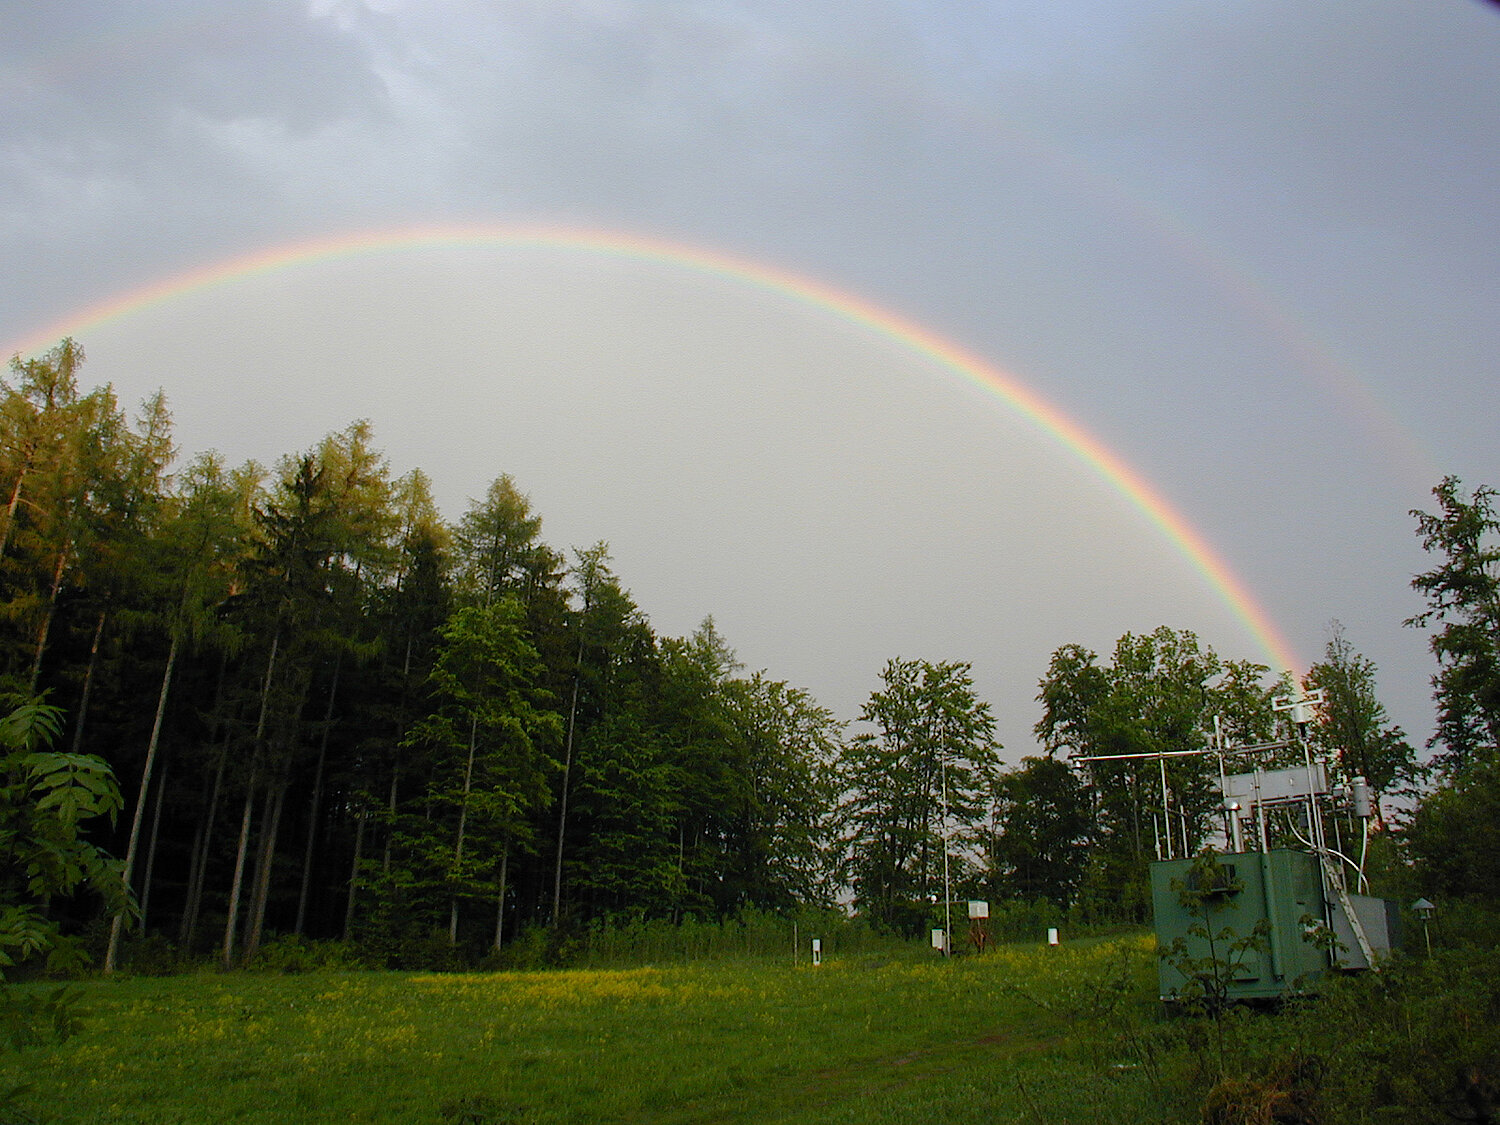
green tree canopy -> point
(46, 799)
(1463, 599)
(1038, 842)
(1136, 723)
(919, 778)
(1353, 727)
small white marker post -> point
(817, 952)
(1052, 935)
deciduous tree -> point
(1463, 599)
(1038, 843)
(493, 735)
(1353, 727)
(923, 771)
(46, 798)
(1144, 714)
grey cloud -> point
(1172, 218)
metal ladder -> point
(1333, 875)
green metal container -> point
(1283, 887)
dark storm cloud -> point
(1250, 245)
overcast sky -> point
(1250, 247)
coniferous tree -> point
(408, 610)
(199, 543)
(492, 735)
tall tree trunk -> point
(88, 683)
(188, 920)
(202, 842)
(231, 923)
(390, 830)
(500, 898)
(140, 801)
(46, 628)
(265, 864)
(146, 875)
(359, 843)
(236, 885)
(317, 796)
(203, 833)
(562, 803)
(463, 813)
(15, 500)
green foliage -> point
(1038, 840)
(490, 740)
(1161, 694)
(1353, 728)
(45, 799)
(757, 935)
(1463, 597)
(293, 953)
(777, 832)
(1451, 837)
(1115, 889)
(1454, 836)
(32, 1018)
(1210, 969)
(926, 767)
(1418, 1041)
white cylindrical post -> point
(1052, 935)
(817, 951)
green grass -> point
(1004, 1037)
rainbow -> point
(964, 364)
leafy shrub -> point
(293, 953)
(1418, 1041)
(429, 950)
(151, 956)
(29, 1018)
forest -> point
(298, 700)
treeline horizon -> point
(333, 712)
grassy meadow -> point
(1021, 1033)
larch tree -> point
(408, 609)
(193, 558)
(32, 426)
(67, 453)
(322, 532)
